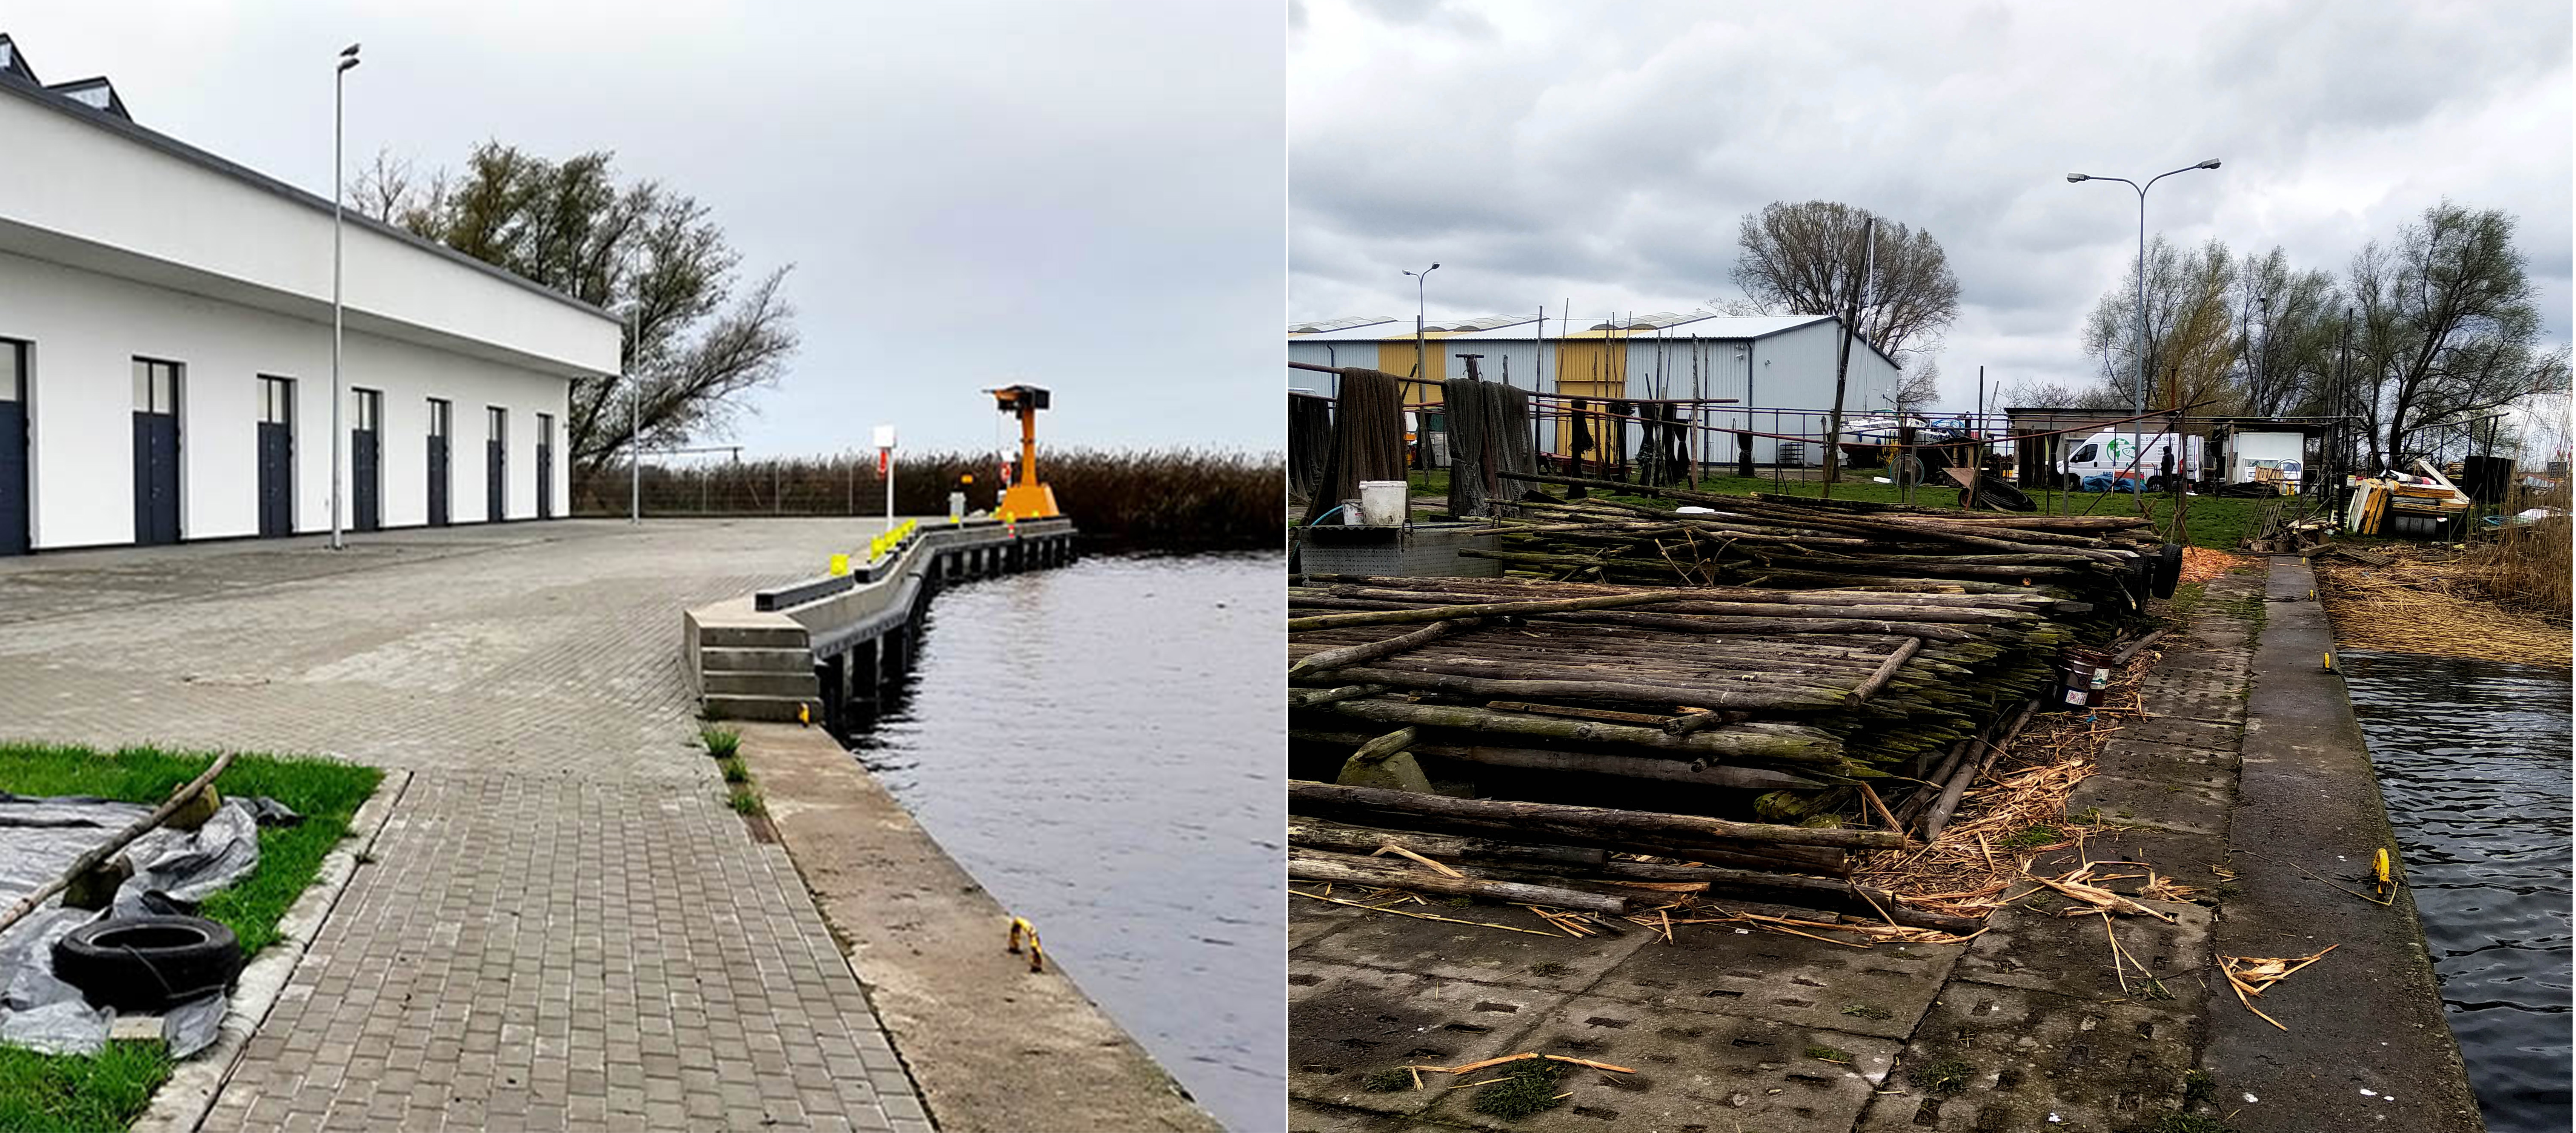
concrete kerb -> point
(2368, 1044)
(182, 1103)
(988, 1044)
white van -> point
(2113, 453)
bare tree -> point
(2445, 329)
(2191, 332)
(2035, 393)
(2288, 321)
(1803, 259)
(693, 344)
(1917, 387)
(382, 187)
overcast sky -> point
(1604, 153)
(1086, 196)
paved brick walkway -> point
(564, 927)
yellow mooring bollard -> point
(840, 565)
(1037, 953)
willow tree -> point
(1805, 259)
(2190, 337)
(2444, 330)
(697, 334)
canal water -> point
(2473, 758)
(1100, 746)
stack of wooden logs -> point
(1766, 690)
(1830, 680)
(1563, 856)
(1779, 542)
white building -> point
(1778, 371)
(165, 349)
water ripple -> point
(1100, 746)
(2473, 759)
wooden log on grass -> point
(1329, 796)
(1349, 869)
(123, 838)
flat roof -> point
(11, 82)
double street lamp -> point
(1421, 281)
(2138, 387)
(339, 75)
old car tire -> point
(2169, 570)
(147, 963)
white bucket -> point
(1382, 502)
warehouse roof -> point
(1523, 328)
(75, 100)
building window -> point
(13, 370)
(156, 386)
(370, 406)
(438, 418)
(276, 400)
(496, 424)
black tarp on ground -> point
(174, 870)
(1367, 439)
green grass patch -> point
(71, 1094)
(2035, 836)
(1388, 1081)
(733, 770)
(722, 743)
(1822, 1053)
(326, 792)
(1528, 1086)
(1865, 1011)
(1948, 1076)
(744, 800)
(110, 1089)
(2198, 1087)
(2190, 1123)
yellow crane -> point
(1027, 497)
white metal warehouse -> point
(165, 348)
(1783, 363)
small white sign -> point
(885, 436)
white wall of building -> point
(90, 191)
(87, 328)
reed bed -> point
(1166, 500)
(2442, 603)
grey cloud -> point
(1607, 151)
(1086, 196)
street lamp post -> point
(348, 59)
(2138, 388)
(1421, 357)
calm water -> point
(1099, 745)
(2473, 759)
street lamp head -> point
(2079, 177)
(345, 64)
(349, 52)
(2212, 163)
